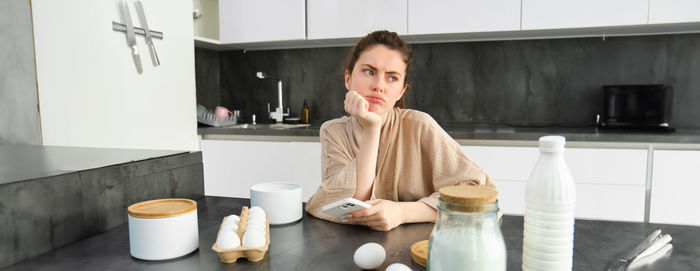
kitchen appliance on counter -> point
(637, 107)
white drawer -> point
(592, 166)
(593, 201)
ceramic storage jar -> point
(163, 229)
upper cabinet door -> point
(90, 93)
(673, 11)
(462, 16)
(242, 21)
(332, 19)
(552, 14)
(207, 24)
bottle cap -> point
(552, 143)
(469, 198)
(469, 194)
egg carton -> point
(252, 254)
(209, 118)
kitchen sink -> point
(281, 126)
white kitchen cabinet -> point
(593, 201)
(607, 166)
(332, 19)
(462, 16)
(305, 163)
(554, 14)
(242, 21)
(207, 23)
(89, 92)
(285, 24)
(19, 117)
(674, 11)
(511, 196)
(610, 183)
(674, 188)
(610, 202)
(504, 163)
(594, 166)
(231, 167)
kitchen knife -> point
(149, 39)
(657, 245)
(131, 38)
(662, 252)
(626, 257)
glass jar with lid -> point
(467, 235)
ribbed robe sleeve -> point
(338, 173)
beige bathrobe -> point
(416, 158)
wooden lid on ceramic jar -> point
(162, 208)
(469, 195)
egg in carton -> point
(253, 254)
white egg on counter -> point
(230, 223)
(229, 226)
(228, 239)
(257, 210)
(397, 267)
(254, 238)
(257, 219)
(232, 219)
(369, 256)
(257, 226)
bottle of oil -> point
(305, 113)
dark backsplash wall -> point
(529, 82)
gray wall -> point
(552, 82)
(19, 117)
(39, 215)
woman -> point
(392, 158)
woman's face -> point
(378, 76)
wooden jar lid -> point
(469, 194)
(419, 252)
(162, 208)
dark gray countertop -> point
(463, 131)
(313, 244)
(24, 162)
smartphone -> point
(344, 206)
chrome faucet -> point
(278, 115)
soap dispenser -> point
(305, 113)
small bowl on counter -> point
(281, 201)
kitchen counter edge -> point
(492, 136)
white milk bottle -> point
(550, 196)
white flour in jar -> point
(467, 249)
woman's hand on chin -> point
(358, 106)
(384, 215)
